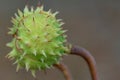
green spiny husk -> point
(38, 40)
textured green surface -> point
(38, 41)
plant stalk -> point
(75, 50)
(63, 68)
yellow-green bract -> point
(38, 40)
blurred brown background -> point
(92, 24)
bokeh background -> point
(92, 24)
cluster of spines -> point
(34, 48)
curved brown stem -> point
(75, 50)
(64, 69)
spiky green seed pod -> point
(38, 41)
